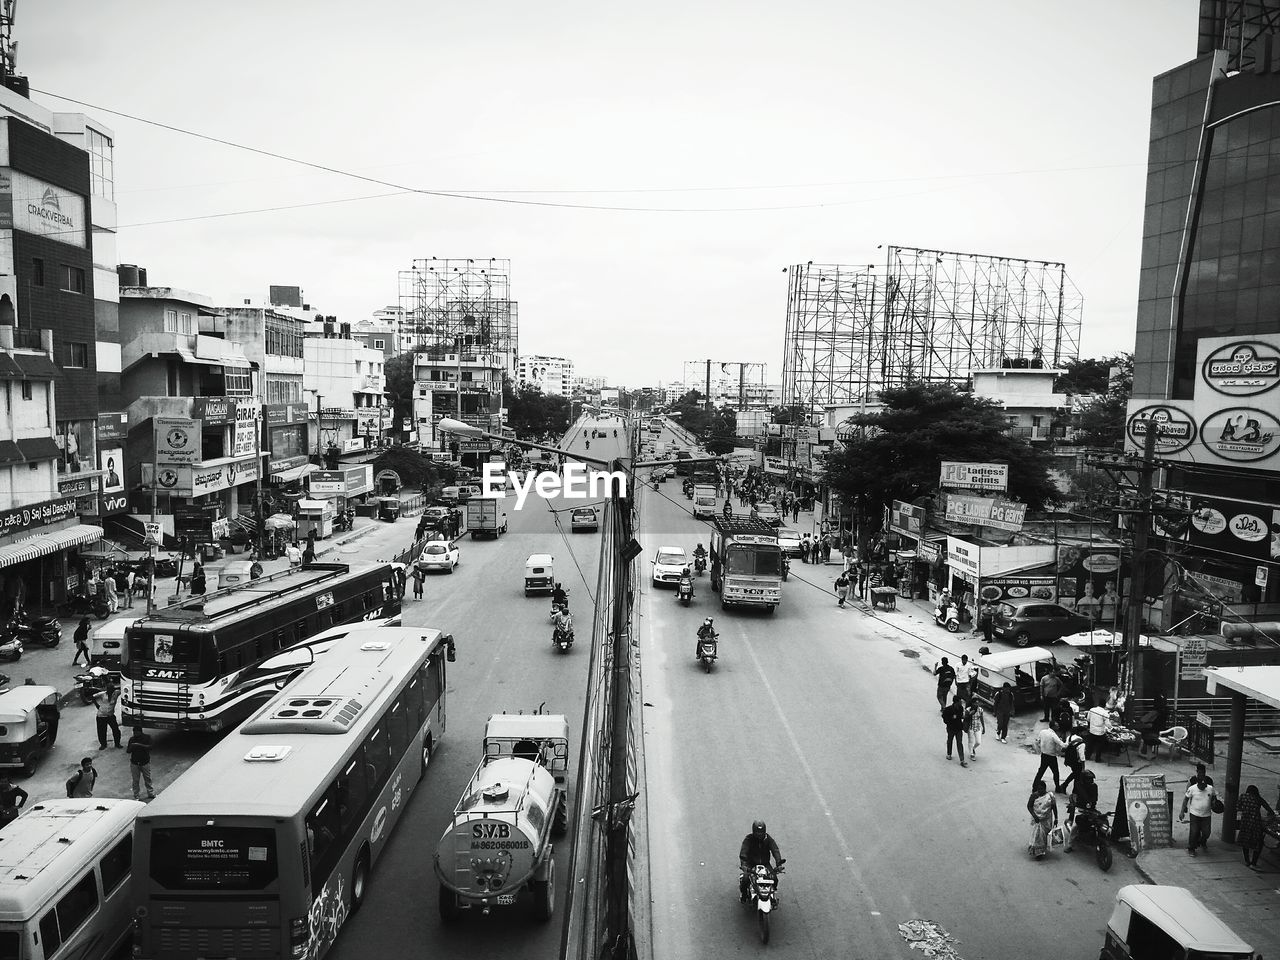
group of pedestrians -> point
(963, 716)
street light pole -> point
(317, 393)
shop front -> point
(988, 571)
(39, 547)
(288, 462)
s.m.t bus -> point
(185, 667)
(263, 847)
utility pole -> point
(260, 520)
(1137, 570)
(155, 481)
(708, 397)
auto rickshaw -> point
(28, 726)
(539, 574)
(1021, 668)
(389, 508)
(106, 644)
(1150, 921)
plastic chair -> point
(1173, 738)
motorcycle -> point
(558, 608)
(93, 680)
(562, 637)
(762, 885)
(342, 522)
(43, 631)
(1092, 828)
(708, 650)
(684, 591)
(81, 603)
(699, 564)
(11, 649)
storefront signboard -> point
(975, 476)
(1228, 591)
(1013, 587)
(352, 444)
(962, 557)
(371, 419)
(929, 551)
(1244, 528)
(359, 479)
(286, 463)
(177, 440)
(906, 518)
(985, 511)
(1148, 820)
(284, 414)
(77, 486)
(1089, 581)
(245, 436)
(214, 411)
(196, 480)
(36, 515)
(112, 427)
(326, 481)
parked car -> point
(768, 513)
(1024, 622)
(439, 555)
(789, 541)
(583, 518)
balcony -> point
(25, 338)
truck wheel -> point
(544, 893)
(560, 819)
(359, 881)
(449, 910)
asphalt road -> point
(823, 722)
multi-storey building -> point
(345, 378)
(551, 375)
(466, 386)
(381, 336)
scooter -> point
(93, 680)
(1093, 828)
(684, 591)
(762, 886)
(11, 649)
(562, 638)
(943, 618)
(708, 650)
(699, 564)
(82, 603)
(43, 631)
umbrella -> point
(280, 521)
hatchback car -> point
(1024, 622)
(768, 513)
(583, 518)
(439, 555)
(668, 565)
(789, 542)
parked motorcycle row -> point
(23, 628)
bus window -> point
(323, 830)
(115, 865)
(77, 905)
(377, 758)
(353, 795)
(431, 681)
(398, 729)
(10, 945)
(413, 703)
(49, 935)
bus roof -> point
(261, 768)
(259, 594)
(49, 843)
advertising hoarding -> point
(975, 476)
(177, 440)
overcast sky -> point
(994, 126)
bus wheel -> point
(560, 820)
(426, 754)
(359, 880)
(544, 893)
(449, 910)
(772, 607)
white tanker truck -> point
(499, 841)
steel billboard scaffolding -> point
(447, 304)
(932, 315)
(742, 382)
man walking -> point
(1002, 706)
(105, 701)
(946, 675)
(1073, 757)
(1050, 746)
(418, 577)
(965, 674)
(1050, 693)
(953, 717)
(139, 750)
(1199, 800)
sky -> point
(749, 135)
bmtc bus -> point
(263, 847)
(190, 666)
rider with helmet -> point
(559, 598)
(705, 632)
(700, 552)
(685, 583)
(757, 847)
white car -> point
(439, 555)
(788, 542)
(669, 564)
(768, 513)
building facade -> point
(344, 378)
(552, 375)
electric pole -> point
(1138, 567)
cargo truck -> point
(486, 518)
(746, 562)
(704, 500)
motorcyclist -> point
(757, 847)
(705, 632)
(686, 583)
(563, 621)
(1082, 805)
(559, 598)
(700, 554)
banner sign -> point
(370, 419)
(1013, 587)
(1148, 815)
(1240, 527)
(283, 414)
(1202, 737)
(214, 411)
(962, 557)
(244, 441)
(929, 551)
(906, 518)
(113, 428)
(35, 206)
(196, 480)
(326, 481)
(177, 440)
(975, 476)
(985, 512)
(1089, 581)
(36, 515)
(1191, 658)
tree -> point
(898, 454)
(1092, 494)
(1089, 375)
(1100, 419)
(414, 468)
(532, 413)
(398, 377)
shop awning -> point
(293, 473)
(320, 505)
(39, 448)
(46, 543)
(1256, 683)
(36, 366)
(9, 452)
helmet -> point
(707, 622)
(758, 828)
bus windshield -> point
(214, 858)
(754, 562)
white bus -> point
(263, 847)
(64, 879)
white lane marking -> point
(798, 752)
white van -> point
(64, 879)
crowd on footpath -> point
(1061, 739)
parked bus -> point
(263, 847)
(64, 879)
(180, 662)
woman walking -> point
(975, 725)
(1043, 807)
(1252, 826)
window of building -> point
(101, 164)
(26, 389)
(77, 355)
(236, 381)
(379, 344)
(37, 272)
(171, 321)
(71, 279)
